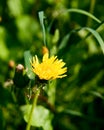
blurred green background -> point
(80, 96)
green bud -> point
(20, 79)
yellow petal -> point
(50, 68)
(45, 57)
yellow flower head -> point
(50, 68)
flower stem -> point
(32, 109)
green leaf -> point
(97, 36)
(73, 112)
(41, 18)
(87, 117)
(97, 94)
(27, 58)
(41, 116)
(64, 41)
(81, 12)
(92, 31)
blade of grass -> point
(97, 94)
(73, 10)
(80, 12)
(41, 18)
(64, 41)
(97, 36)
(92, 31)
(81, 115)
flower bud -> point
(45, 50)
(20, 79)
(11, 64)
(19, 68)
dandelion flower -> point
(50, 68)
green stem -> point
(32, 109)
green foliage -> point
(41, 18)
(41, 116)
(28, 58)
(97, 36)
(3, 54)
(72, 30)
